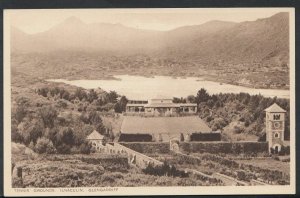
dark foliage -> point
(165, 169)
(135, 138)
(85, 148)
(206, 137)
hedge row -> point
(148, 147)
(224, 147)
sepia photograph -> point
(149, 101)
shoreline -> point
(198, 79)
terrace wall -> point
(148, 147)
(224, 147)
(200, 147)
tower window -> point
(276, 117)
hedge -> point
(148, 147)
(224, 147)
(135, 138)
(205, 137)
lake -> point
(139, 87)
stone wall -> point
(148, 147)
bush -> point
(16, 136)
(44, 145)
(165, 169)
(285, 150)
(63, 149)
(241, 175)
(85, 148)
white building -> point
(160, 107)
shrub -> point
(48, 115)
(16, 136)
(285, 150)
(165, 169)
(44, 145)
(63, 149)
(85, 148)
(241, 175)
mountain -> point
(262, 40)
(73, 34)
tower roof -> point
(275, 108)
(95, 135)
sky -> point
(39, 20)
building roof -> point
(188, 104)
(171, 125)
(275, 108)
(95, 135)
(135, 105)
(162, 105)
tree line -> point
(219, 110)
(42, 127)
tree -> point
(15, 135)
(112, 97)
(202, 96)
(118, 108)
(92, 96)
(191, 99)
(80, 94)
(94, 118)
(21, 110)
(181, 137)
(63, 148)
(85, 148)
(20, 113)
(44, 145)
(65, 95)
(111, 135)
(121, 105)
(48, 115)
(30, 130)
(101, 128)
(68, 136)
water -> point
(139, 87)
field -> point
(92, 171)
(268, 170)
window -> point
(276, 135)
(276, 117)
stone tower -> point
(275, 122)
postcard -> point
(189, 101)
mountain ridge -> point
(262, 40)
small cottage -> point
(97, 140)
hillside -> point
(251, 53)
(258, 41)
